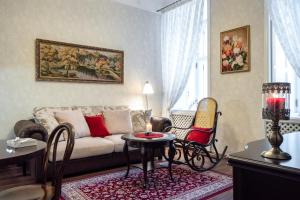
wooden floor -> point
(223, 167)
(11, 176)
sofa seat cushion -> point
(85, 147)
(118, 142)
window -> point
(197, 85)
(282, 71)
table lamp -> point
(276, 106)
(147, 90)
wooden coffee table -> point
(35, 153)
(147, 147)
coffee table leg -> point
(145, 162)
(172, 152)
(152, 159)
(125, 150)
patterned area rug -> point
(188, 184)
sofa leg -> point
(24, 168)
(160, 157)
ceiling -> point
(149, 5)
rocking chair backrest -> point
(205, 116)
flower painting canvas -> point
(58, 61)
(235, 50)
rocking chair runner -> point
(201, 134)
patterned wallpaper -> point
(238, 94)
(93, 22)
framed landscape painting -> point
(59, 61)
(235, 50)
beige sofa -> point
(89, 153)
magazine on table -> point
(21, 142)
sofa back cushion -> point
(118, 121)
(96, 110)
(76, 118)
(45, 117)
(139, 119)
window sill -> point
(294, 120)
(183, 112)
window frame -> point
(270, 50)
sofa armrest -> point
(160, 123)
(27, 128)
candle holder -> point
(148, 128)
(276, 106)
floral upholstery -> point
(45, 115)
(139, 119)
(95, 110)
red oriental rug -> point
(188, 184)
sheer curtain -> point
(285, 17)
(180, 36)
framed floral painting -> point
(235, 50)
(59, 61)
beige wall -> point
(238, 94)
(88, 22)
(111, 25)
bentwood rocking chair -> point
(199, 144)
(46, 191)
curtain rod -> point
(171, 4)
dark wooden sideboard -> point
(255, 177)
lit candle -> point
(275, 104)
(149, 127)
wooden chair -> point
(199, 144)
(46, 191)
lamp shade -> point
(148, 88)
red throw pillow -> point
(97, 126)
(199, 136)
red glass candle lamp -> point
(276, 106)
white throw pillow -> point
(118, 121)
(76, 118)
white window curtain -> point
(180, 36)
(285, 17)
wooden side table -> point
(10, 156)
(147, 147)
(255, 177)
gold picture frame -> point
(60, 61)
(235, 50)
